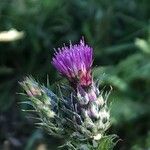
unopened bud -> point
(93, 110)
(31, 87)
(82, 96)
(33, 91)
(92, 95)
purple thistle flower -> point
(75, 62)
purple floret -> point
(75, 62)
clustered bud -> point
(80, 110)
(91, 112)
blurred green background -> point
(119, 32)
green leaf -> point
(107, 142)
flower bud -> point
(92, 95)
(93, 110)
(82, 96)
(31, 87)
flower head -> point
(75, 62)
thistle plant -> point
(79, 112)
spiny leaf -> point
(107, 142)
